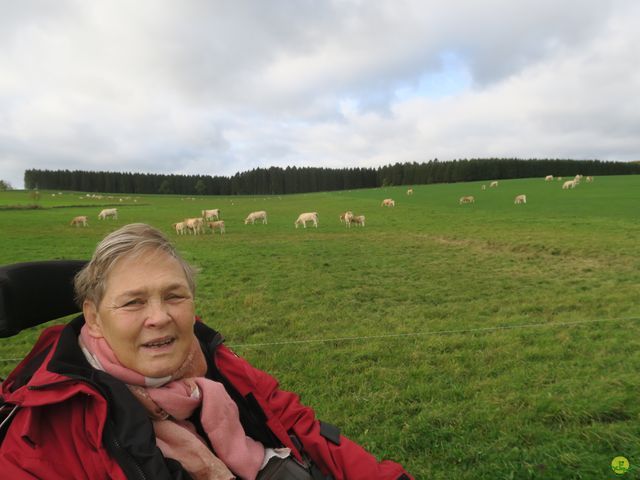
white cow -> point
(548, 178)
(410, 191)
(388, 202)
(219, 225)
(195, 225)
(358, 220)
(493, 184)
(484, 187)
(346, 217)
(180, 228)
(211, 214)
(520, 199)
(108, 213)
(467, 199)
(303, 218)
(569, 184)
(253, 216)
(589, 179)
(80, 220)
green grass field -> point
(482, 341)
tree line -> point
(279, 181)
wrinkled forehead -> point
(145, 267)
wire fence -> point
(417, 334)
(436, 332)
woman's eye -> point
(133, 303)
(174, 297)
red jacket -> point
(73, 421)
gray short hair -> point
(127, 241)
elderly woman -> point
(137, 387)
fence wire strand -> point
(416, 334)
(437, 332)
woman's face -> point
(146, 314)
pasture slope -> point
(477, 341)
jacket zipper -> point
(9, 415)
(45, 386)
(125, 456)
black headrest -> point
(32, 293)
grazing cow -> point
(589, 179)
(180, 228)
(388, 202)
(520, 199)
(195, 225)
(548, 178)
(303, 218)
(80, 220)
(219, 225)
(253, 216)
(493, 184)
(346, 216)
(569, 184)
(211, 214)
(108, 213)
(358, 220)
(467, 199)
(410, 191)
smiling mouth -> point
(162, 342)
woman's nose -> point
(157, 313)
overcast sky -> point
(216, 87)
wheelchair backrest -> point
(32, 293)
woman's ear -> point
(92, 318)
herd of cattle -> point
(198, 225)
(522, 198)
(211, 218)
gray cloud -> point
(219, 87)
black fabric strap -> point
(330, 432)
(316, 474)
(284, 469)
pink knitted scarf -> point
(172, 400)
